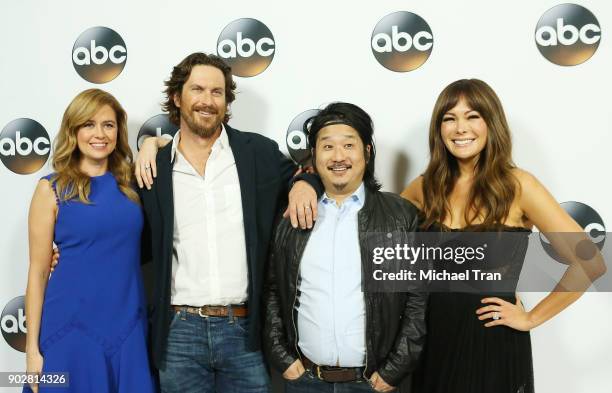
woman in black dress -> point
(480, 343)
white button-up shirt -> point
(209, 262)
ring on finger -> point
(496, 315)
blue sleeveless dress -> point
(94, 321)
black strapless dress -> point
(463, 356)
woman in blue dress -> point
(88, 320)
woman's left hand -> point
(508, 314)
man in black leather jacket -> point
(321, 331)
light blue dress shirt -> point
(331, 313)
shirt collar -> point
(358, 197)
(222, 142)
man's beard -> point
(339, 187)
(201, 128)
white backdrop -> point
(560, 116)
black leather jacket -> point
(395, 322)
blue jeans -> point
(210, 355)
(308, 383)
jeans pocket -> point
(378, 391)
(175, 326)
(302, 377)
(371, 388)
(241, 324)
(174, 316)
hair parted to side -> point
(494, 186)
(180, 75)
(70, 182)
(355, 117)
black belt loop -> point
(230, 314)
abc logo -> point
(297, 141)
(568, 34)
(402, 41)
(99, 55)
(13, 323)
(24, 146)
(247, 45)
(156, 126)
(588, 219)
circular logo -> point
(24, 146)
(247, 45)
(568, 34)
(297, 140)
(13, 323)
(99, 54)
(156, 126)
(592, 224)
(402, 41)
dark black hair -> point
(355, 117)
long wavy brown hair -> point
(494, 186)
(70, 182)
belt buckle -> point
(319, 373)
(200, 313)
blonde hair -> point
(70, 182)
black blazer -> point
(264, 174)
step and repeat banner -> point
(548, 61)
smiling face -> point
(97, 137)
(464, 132)
(340, 159)
(202, 101)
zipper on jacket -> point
(295, 296)
(293, 311)
(360, 230)
(365, 368)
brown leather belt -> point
(238, 310)
(333, 374)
